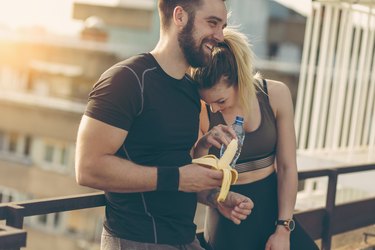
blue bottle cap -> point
(239, 119)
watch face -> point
(288, 224)
(291, 225)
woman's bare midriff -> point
(256, 175)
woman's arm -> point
(210, 138)
(286, 164)
(201, 147)
(236, 207)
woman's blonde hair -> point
(232, 59)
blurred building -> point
(44, 84)
(276, 30)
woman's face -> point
(221, 96)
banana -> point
(228, 155)
(230, 175)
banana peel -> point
(230, 175)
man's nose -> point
(219, 35)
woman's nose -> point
(214, 108)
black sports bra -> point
(259, 147)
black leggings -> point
(253, 233)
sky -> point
(54, 15)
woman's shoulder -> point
(277, 88)
(278, 94)
(274, 85)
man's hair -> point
(166, 8)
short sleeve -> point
(116, 98)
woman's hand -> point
(236, 207)
(217, 136)
(279, 240)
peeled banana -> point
(230, 175)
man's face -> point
(203, 32)
(193, 52)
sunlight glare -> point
(54, 16)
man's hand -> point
(195, 178)
(236, 207)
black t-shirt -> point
(161, 115)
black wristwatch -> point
(288, 224)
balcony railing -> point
(321, 223)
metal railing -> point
(321, 223)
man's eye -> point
(212, 23)
(221, 102)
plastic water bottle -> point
(240, 133)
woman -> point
(267, 164)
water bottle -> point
(240, 133)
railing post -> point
(330, 207)
(15, 216)
(12, 238)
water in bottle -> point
(240, 133)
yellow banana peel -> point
(230, 175)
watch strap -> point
(289, 224)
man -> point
(139, 127)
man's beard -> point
(194, 55)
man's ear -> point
(180, 16)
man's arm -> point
(98, 167)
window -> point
(48, 153)
(301, 185)
(273, 49)
(64, 158)
(6, 195)
(12, 146)
(2, 141)
(56, 221)
(42, 219)
(40, 86)
(15, 147)
(48, 222)
(315, 185)
(27, 148)
(10, 195)
(56, 156)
